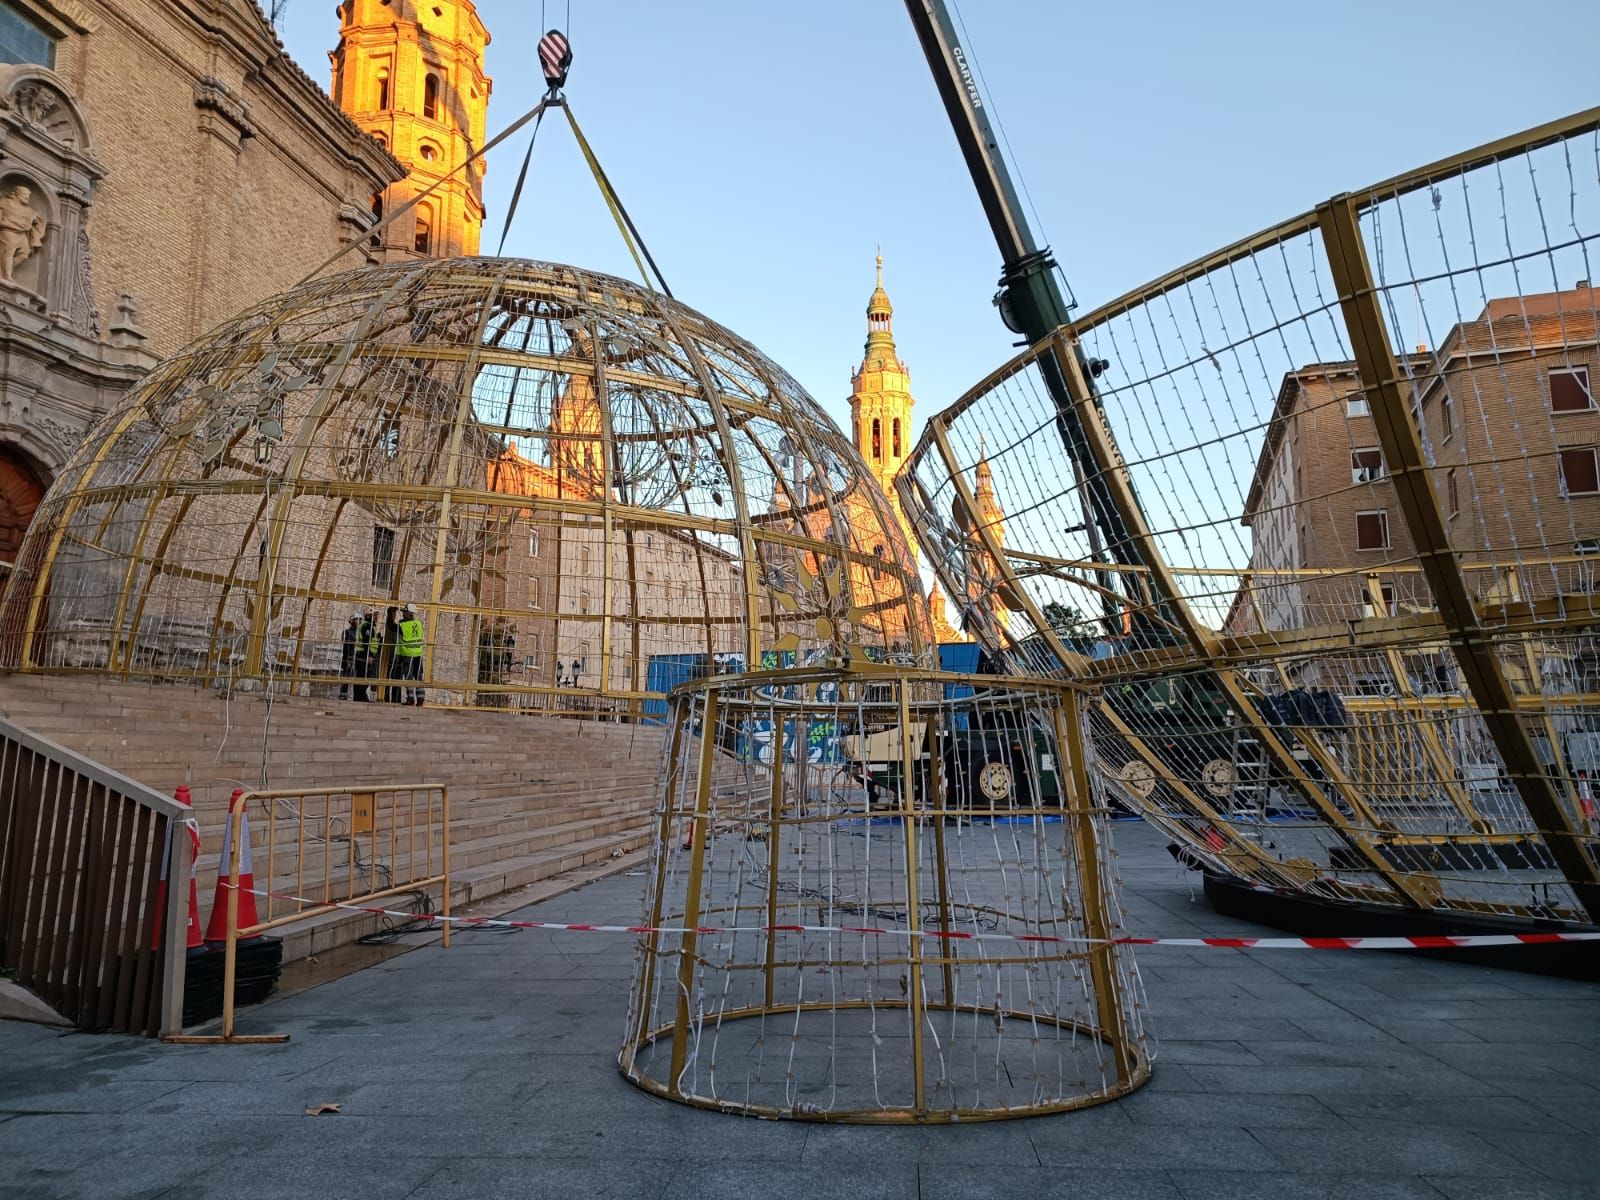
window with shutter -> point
(1569, 390)
(1580, 473)
(1372, 530)
(382, 557)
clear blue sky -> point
(766, 148)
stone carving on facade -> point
(58, 435)
(22, 229)
(45, 108)
(37, 99)
(30, 372)
(45, 196)
(212, 95)
(125, 331)
(83, 315)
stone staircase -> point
(532, 797)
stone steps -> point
(532, 796)
(474, 885)
(472, 841)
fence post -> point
(230, 948)
(444, 804)
(174, 929)
(228, 870)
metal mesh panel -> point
(1317, 513)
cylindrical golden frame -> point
(953, 912)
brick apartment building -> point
(1511, 426)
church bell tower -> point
(880, 420)
(410, 73)
(880, 401)
(992, 518)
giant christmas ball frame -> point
(587, 490)
(1396, 721)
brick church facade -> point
(165, 165)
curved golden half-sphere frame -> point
(586, 491)
(1319, 516)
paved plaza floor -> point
(489, 1070)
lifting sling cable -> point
(625, 225)
(555, 60)
(509, 131)
(522, 178)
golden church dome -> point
(582, 486)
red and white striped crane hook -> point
(555, 57)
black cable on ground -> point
(421, 903)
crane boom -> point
(1030, 298)
(1032, 303)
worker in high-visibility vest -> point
(408, 657)
(368, 645)
(347, 656)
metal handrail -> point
(93, 771)
(65, 820)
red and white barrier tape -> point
(1429, 942)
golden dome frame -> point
(556, 468)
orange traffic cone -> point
(217, 930)
(193, 940)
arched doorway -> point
(22, 486)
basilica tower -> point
(410, 72)
(991, 518)
(880, 401)
(990, 515)
(880, 421)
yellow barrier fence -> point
(322, 849)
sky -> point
(767, 149)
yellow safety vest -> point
(410, 639)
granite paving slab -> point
(489, 1070)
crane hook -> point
(555, 56)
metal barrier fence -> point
(1317, 514)
(339, 844)
(84, 919)
(324, 848)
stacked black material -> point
(260, 962)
